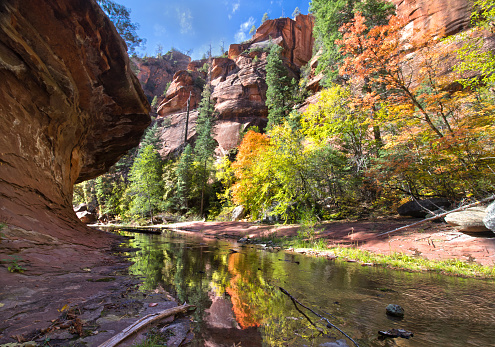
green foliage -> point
(13, 264)
(121, 18)
(167, 87)
(279, 95)
(252, 30)
(472, 59)
(155, 101)
(204, 68)
(296, 12)
(265, 18)
(184, 176)
(146, 186)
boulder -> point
(70, 107)
(469, 220)
(87, 217)
(489, 218)
(420, 208)
(238, 213)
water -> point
(240, 304)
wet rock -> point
(395, 310)
(178, 333)
(420, 208)
(489, 218)
(238, 213)
(469, 220)
(396, 333)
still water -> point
(236, 290)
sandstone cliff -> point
(154, 73)
(70, 108)
(238, 81)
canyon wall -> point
(238, 82)
(70, 107)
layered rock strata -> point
(70, 108)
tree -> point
(265, 18)
(296, 13)
(438, 140)
(146, 182)
(121, 18)
(331, 15)
(253, 30)
(279, 95)
(472, 57)
(205, 145)
(184, 177)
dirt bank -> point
(435, 241)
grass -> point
(397, 261)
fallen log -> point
(439, 215)
(141, 323)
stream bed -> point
(236, 290)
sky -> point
(195, 24)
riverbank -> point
(54, 292)
(428, 246)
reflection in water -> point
(239, 301)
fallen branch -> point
(329, 325)
(146, 320)
(440, 215)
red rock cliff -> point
(238, 82)
(69, 104)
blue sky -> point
(195, 24)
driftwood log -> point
(141, 323)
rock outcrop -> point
(440, 17)
(70, 108)
(238, 81)
(154, 73)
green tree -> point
(205, 145)
(121, 18)
(146, 182)
(296, 13)
(472, 57)
(253, 30)
(265, 18)
(184, 177)
(279, 95)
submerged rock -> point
(396, 333)
(395, 310)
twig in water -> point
(330, 325)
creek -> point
(236, 290)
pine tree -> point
(184, 177)
(146, 182)
(265, 18)
(296, 12)
(279, 95)
(205, 144)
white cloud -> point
(242, 34)
(185, 21)
(235, 6)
